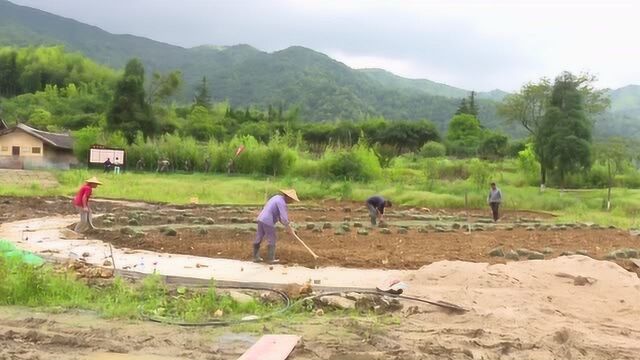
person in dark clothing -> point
(494, 199)
(107, 165)
(376, 205)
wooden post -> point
(609, 190)
(466, 210)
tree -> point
(616, 153)
(464, 135)
(493, 146)
(162, 87)
(565, 130)
(203, 97)
(529, 106)
(473, 108)
(463, 108)
(129, 111)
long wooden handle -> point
(305, 246)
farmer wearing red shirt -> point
(81, 202)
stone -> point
(107, 223)
(85, 254)
(127, 231)
(423, 230)
(197, 221)
(316, 230)
(327, 225)
(347, 210)
(202, 231)
(582, 252)
(534, 255)
(338, 302)
(509, 228)
(139, 233)
(339, 232)
(496, 252)
(530, 228)
(383, 224)
(402, 231)
(511, 255)
(107, 263)
(456, 226)
(567, 253)
(631, 253)
(347, 218)
(156, 217)
(170, 232)
(209, 221)
(310, 226)
(385, 231)
(611, 256)
(357, 225)
(523, 252)
(440, 229)
(363, 232)
(123, 219)
(240, 298)
(319, 312)
(547, 251)
(322, 218)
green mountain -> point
(322, 88)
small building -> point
(23, 147)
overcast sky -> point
(473, 44)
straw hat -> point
(93, 180)
(290, 193)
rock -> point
(611, 256)
(322, 218)
(423, 230)
(441, 229)
(456, 226)
(107, 223)
(171, 219)
(383, 224)
(567, 253)
(363, 232)
(402, 231)
(197, 221)
(339, 232)
(240, 298)
(547, 251)
(85, 254)
(310, 226)
(496, 252)
(385, 231)
(530, 228)
(139, 233)
(357, 225)
(170, 232)
(347, 210)
(523, 252)
(485, 221)
(308, 219)
(327, 225)
(534, 255)
(347, 218)
(156, 217)
(133, 222)
(123, 219)
(632, 253)
(209, 221)
(127, 231)
(511, 255)
(202, 231)
(582, 252)
(338, 302)
(316, 230)
(319, 312)
(107, 263)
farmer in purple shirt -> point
(274, 210)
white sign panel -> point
(99, 156)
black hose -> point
(441, 304)
(283, 295)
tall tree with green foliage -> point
(565, 136)
(203, 97)
(130, 112)
(163, 86)
(464, 135)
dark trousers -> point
(494, 210)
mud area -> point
(341, 235)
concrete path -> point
(49, 236)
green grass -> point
(26, 285)
(410, 189)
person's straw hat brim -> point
(290, 193)
(93, 180)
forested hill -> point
(322, 88)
